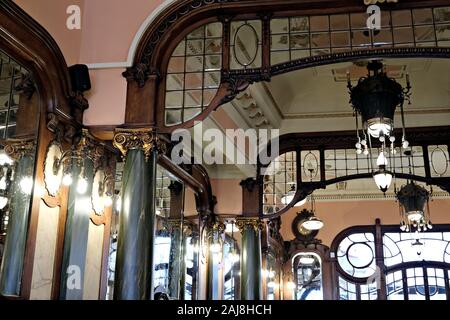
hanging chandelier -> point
(413, 199)
(375, 99)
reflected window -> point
(416, 266)
(307, 270)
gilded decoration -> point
(144, 139)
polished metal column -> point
(76, 233)
(16, 235)
(251, 258)
(176, 265)
(215, 256)
(134, 264)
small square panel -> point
(340, 22)
(194, 47)
(279, 42)
(340, 39)
(299, 41)
(279, 26)
(422, 16)
(401, 18)
(403, 35)
(193, 81)
(299, 24)
(320, 40)
(319, 23)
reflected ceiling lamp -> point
(312, 223)
(289, 197)
(413, 199)
(375, 99)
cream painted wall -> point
(47, 231)
(340, 215)
(93, 266)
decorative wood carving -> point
(144, 139)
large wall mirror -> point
(19, 119)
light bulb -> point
(82, 185)
(108, 201)
(118, 203)
(291, 285)
(3, 202)
(405, 144)
(5, 159)
(383, 180)
(271, 284)
(271, 274)
(67, 179)
(382, 160)
(26, 185)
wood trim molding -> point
(146, 78)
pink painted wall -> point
(229, 196)
(110, 27)
(338, 216)
(52, 16)
(107, 98)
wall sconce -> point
(58, 169)
(102, 191)
(58, 165)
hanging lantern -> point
(375, 99)
(413, 199)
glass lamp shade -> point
(415, 216)
(313, 224)
(383, 180)
(379, 127)
(289, 197)
(3, 202)
(307, 260)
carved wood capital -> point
(143, 139)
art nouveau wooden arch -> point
(147, 77)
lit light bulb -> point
(234, 257)
(291, 285)
(82, 185)
(271, 274)
(118, 203)
(3, 202)
(271, 284)
(67, 179)
(26, 185)
(405, 144)
(382, 160)
(5, 159)
(383, 180)
(108, 201)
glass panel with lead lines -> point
(299, 37)
(193, 74)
